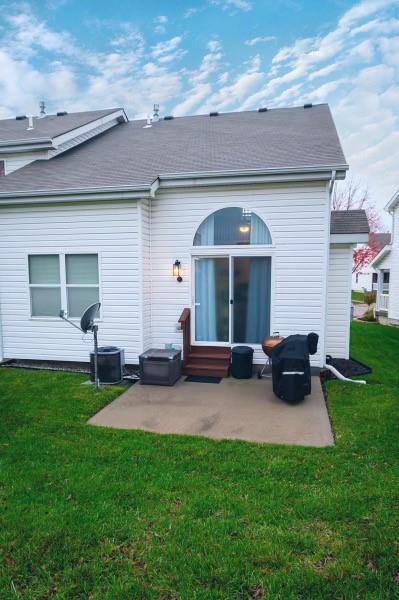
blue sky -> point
(192, 57)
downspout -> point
(339, 375)
(332, 181)
(328, 366)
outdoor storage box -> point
(241, 362)
(160, 367)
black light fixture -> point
(177, 270)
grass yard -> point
(92, 513)
(357, 297)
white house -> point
(386, 264)
(224, 215)
(366, 278)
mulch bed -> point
(347, 367)
(52, 365)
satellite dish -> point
(87, 320)
(87, 324)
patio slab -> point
(233, 409)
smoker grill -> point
(291, 367)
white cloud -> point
(166, 47)
(160, 23)
(233, 6)
(190, 12)
(260, 40)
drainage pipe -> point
(339, 375)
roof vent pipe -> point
(42, 109)
(148, 123)
(155, 116)
(30, 123)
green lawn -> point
(357, 296)
(91, 513)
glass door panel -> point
(212, 299)
(251, 292)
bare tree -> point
(351, 194)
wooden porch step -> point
(208, 357)
(207, 369)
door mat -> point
(202, 379)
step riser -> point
(219, 362)
(206, 372)
(208, 361)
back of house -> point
(223, 217)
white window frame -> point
(63, 285)
(232, 252)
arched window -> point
(232, 226)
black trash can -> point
(241, 362)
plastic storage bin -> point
(160, 367)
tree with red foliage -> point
(350, 194)
(363, 255)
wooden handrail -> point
(185, 319)
(185, 315)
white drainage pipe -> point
(339, 375)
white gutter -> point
(247, 172)
(166, 180)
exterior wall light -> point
(177, 270)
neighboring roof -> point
(349, 222)
(50, 126)
(382, 254)
(133, 155)
(393, 202)
(383, 239)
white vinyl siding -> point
(394, 274)
(107, 229)
(297, 217)
(339, 301)
(146, 272)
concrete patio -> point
(233, 409)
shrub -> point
(370, 298)
(369, 315)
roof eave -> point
(382, 254)
(393, 202)
(349, 238)
(75, 195)
(25, 145)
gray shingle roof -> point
(49, 126)
(132, 155)
(383, 239)
(349, 221)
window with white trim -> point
(63, 281)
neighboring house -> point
(366, 278)
(386, 264)
(240, 200)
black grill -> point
(291, 367)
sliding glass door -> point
(232, 299)
(212, 299)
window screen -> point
(44, 283)
(81, 282)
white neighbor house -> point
(386, 264)
(93, 206)
(366, 278)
